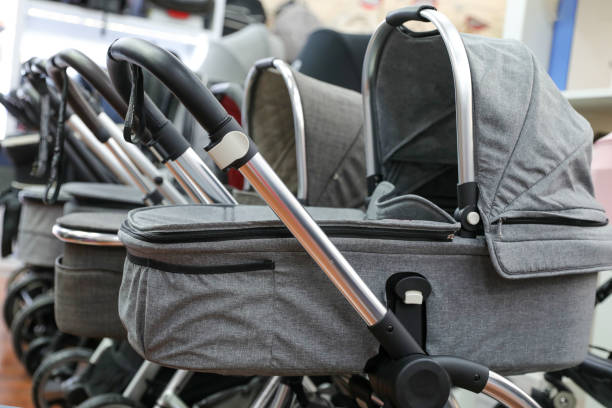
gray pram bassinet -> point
(226, 290)
(88, 274)
(309, 131)
(36, 245)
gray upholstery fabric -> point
(105, 192)
(106, 222)
(333, 122)
(87, 279)
(533, 151)
(386, 204)
(230, 58)
(286, 318)
(36, 244)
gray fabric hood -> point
(333, 120)
(532, 150)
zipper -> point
(156, 237)
(550, 221)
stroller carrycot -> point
(36, 245)
(229, 291)
(88, 274)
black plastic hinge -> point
(407, 295)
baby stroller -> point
(475, 286)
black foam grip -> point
(412, 13)
(183, 83)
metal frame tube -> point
(204, 184)
(462, 78)
(169, 397)
(131, 170)
(508, 393)
(313, 239)
(297, 110)
(85, 237)
(282, 397)
(109, 160)
(170, 193)
(139, 383)
(266, 393)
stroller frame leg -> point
(266, 392)
(138, 385)
(169, 397)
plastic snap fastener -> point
(473, 218)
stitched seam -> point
(518, 139)
(568, 158)
(339, 166)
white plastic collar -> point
(233, 146)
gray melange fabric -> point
(385, 204)
(87, 289)
(36, 244)
(533, 151)
(87, 279)
(333, 121)
(106, 222)
(230, 58)
(105, 192)
(286, 318)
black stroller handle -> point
(79, 104)
(398, 17)
(185, 85)
(159, 128)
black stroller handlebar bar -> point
(412, 13)
(159, 127)
(185, 85)
(79, 104)
(92, 73)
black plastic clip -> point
(407, 294)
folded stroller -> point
(309, 131)
(493, 300)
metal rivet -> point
(389, 329)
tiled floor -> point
(14, 382)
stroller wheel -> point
(15, 275)
(35, 353)
(564, 399)
(109, 400)
(52, 379)
(34, 321)
(23, 291)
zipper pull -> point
(499, 228)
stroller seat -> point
(88, 274)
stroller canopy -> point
(532, 150)
(283, 108)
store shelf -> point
(590, 99)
